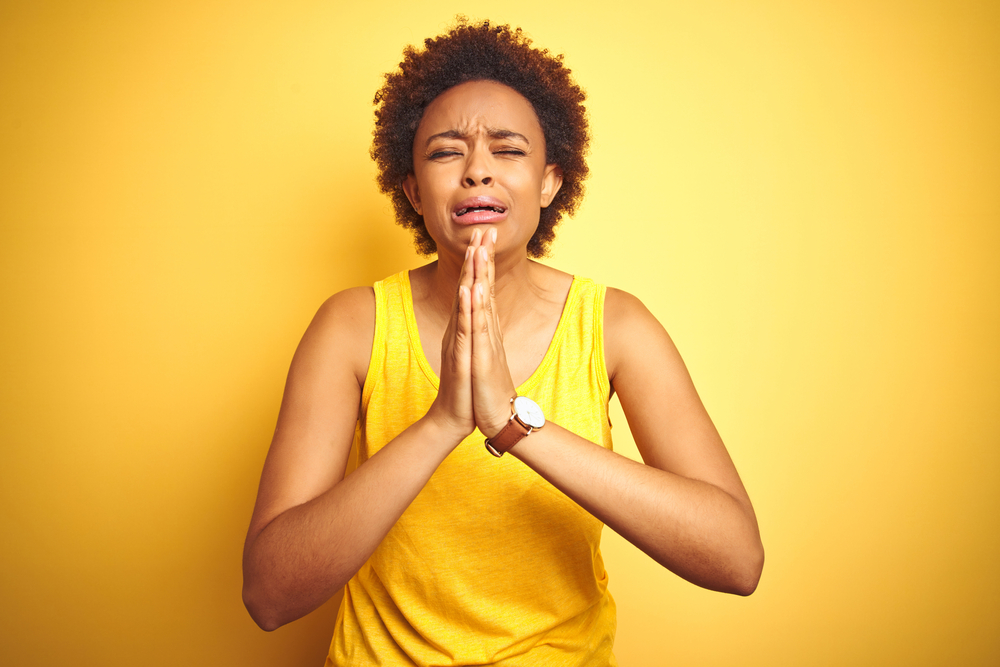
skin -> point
(486, 315)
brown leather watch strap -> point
(509, 435)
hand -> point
(452, 408)
(492, 387)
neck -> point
(514, 278)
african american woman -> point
(476, 391)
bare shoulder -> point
(619, 303)
(633, 336)
(353, 306)
(343, 325)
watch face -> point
(529, 412)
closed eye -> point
(437, 155)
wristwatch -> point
(525, 417)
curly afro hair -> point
(472, 52)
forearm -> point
(307, 553)
(693, 528)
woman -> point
(452, 552)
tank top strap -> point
(378, 344)
(396, 345)
(579, 337)
(593, 294)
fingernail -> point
(479, 288)
(484, 254)
(493, 232)
(467, 251)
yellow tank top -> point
(490, 564)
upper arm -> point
(319, 410)
(668, 421)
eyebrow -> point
(492, 133)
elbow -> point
(748, 575)
(273, 601)
(261, 613)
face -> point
(479, 162)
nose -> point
(477, 170)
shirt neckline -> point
(536, 375)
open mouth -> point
(473, 209)
(479, 210)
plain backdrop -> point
(807, 195)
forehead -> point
(480, 105)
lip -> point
(482, 216)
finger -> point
(457, 343)
(468, 270)
(483, 265)
(474, 244)
(456, 306)
(491, 276)
(464, 280)
(454, 399)
(482, 260)
(480, 322)
(482, 347)
(463, 330)
(465, 276)
(487, 346)
(491, 248)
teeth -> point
(495, 209)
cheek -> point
(527, 184)
(430, 182)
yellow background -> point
(806, 194)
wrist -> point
(501, 409)
(498, 423)
(444, 428)
(525, 418)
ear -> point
(413, 192)
(551, 182)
